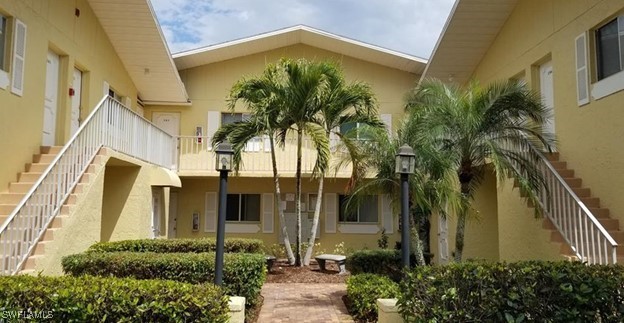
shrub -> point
(94, 299)
(523, 291)
(243, 274)
(180, 245)
(380, 261)
(364, 290)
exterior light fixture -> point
(405, 165)
(225, 157)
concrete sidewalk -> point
(305, 303)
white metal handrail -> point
(587, 237)
(195, 155)
(110, 124)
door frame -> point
(156, 218)
(77, 94)
(172, 226)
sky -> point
(407, 26)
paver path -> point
(305, 303)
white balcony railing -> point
(588, 239)
(196, 157)
(111, 125)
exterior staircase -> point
(602, 214)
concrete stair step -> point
(559, 165)
(31, 262)
(28, 177)
(610, 224)
(599, 212)
(53, 150)
(30, 272)
(592, 202)
(582, 191)
(17, 187)
(566, 173)
(10, 198)
(43, 158)
(573, 182)
(554, 156)
(40, 247)
(36, 167)
(618, 236)
(58, 221)
(48, 235)
(7, 208)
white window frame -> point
(615, 82)
(341, 196)
(240, 209)
(6, 48)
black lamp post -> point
(225, 156)
(405, 164)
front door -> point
(173, 215)
(75, 108)
(156, 193)
(548, 96)
(170, 123)
(50, 106)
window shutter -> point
(387, 120)
(214, 121)
(330, 212)
(211, 212)
(19, 57)
(387, 214)
(267, 212)
(582, 75)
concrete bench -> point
(338, 259)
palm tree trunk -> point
(417, 244)
(278, 199)
(315, 222)
(461, 223)
(298, 193)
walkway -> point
(305, 303)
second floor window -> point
(610, 48)
(4, 40)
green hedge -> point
(243, 274)
(95, 299)
(379, 261)
(515, 292)
(234, 245)
(363, 291)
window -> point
(4, 42)
(356, 129)
(366, 212)
(243, 208)
(610, 48)
(227, 118)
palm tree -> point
(258, 94)
(342, 104)
(432, 187)
(478, 126)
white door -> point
(443, 240)
(167, 121)
(75, 108)
(173, 215)
(50, 106)
(156, 213)
(548, 97)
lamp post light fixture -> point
(405, 165)
(225, 157)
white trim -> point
(19, 59)
(359, 228)
(242, 228)
(608, 86)
(581, 68)
(210, 214)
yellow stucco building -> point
(148, 171)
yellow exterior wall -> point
(209, 85)
(589, 137)
(191, 198)
(116, 205)
(81, 42)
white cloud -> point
(410, 26)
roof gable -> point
(299, 35)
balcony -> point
(196, 158)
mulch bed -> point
(283, 272)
